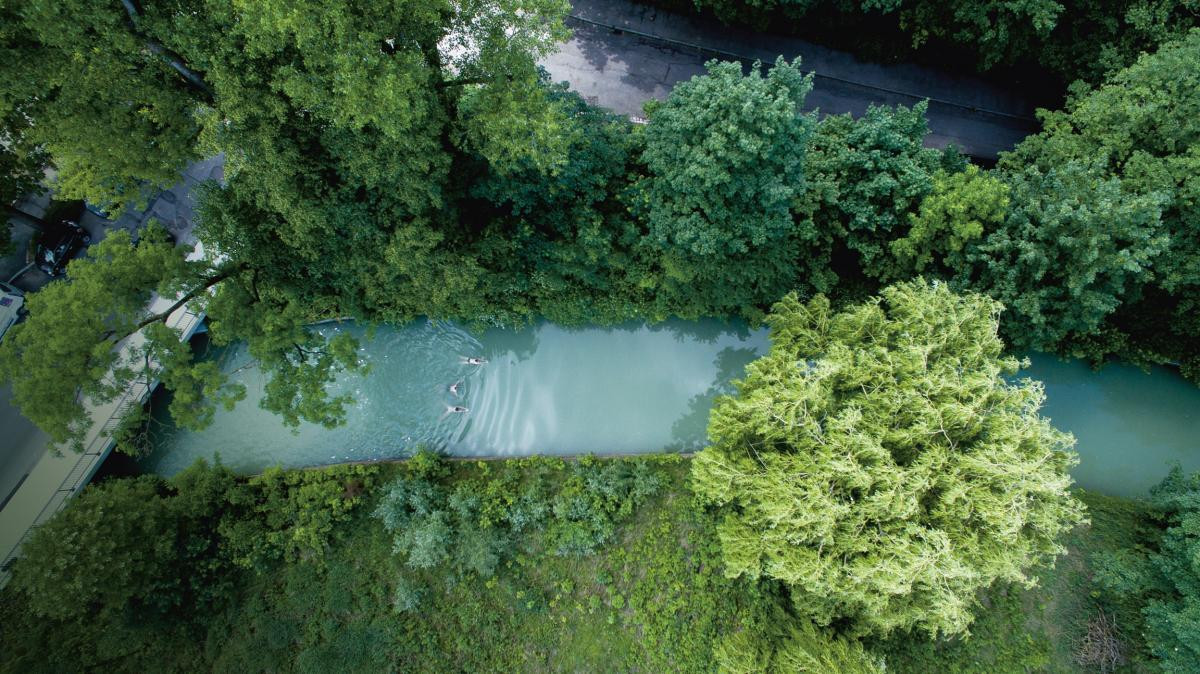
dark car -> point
(58, 247)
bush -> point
(293, 514)
(1165, 576)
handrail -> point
(96, 449)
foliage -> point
(470, 526)
(113, 115)
(646, 600)
(961, 207)
(1120, 161)
(801, 648)
(21, 167)
(878, 462)
(339, 195)
(864, 177)
(560, 244)
(292, 514)
(73, 348)
(650, 599)
(723, 159)
(1165, 578)
(124, 547)
(596, 496)
(1071, 250)
(1075, 39)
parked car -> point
(11, 301)
(58, 247)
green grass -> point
(652, 599)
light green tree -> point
(883, 464)
(961, 208)
(797, 647)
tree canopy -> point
(863, 178)
(72, 348)
(1104, 216)
(723, 156)
(883, 463)
(1163, 575)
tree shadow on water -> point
(688, 433)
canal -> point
(629, 389)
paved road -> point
(623, 54)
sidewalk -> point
(623, 53)
(46, 481)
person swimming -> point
(456, 389)
(453, 409)
(474, 361)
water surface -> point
(545, 390)
(632, 389)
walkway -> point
(36, 488)
(623, 53)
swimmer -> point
(474, 361)
(456, 389)
(456, 409)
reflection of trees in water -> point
(519, 344)
(707, 331)
(688, 431)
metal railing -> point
(96, 449)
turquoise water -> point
(636, 388)
(1130, 426)
(545, 390)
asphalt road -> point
(623, 54)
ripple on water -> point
(629, 389)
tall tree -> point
(114, 118)
(1134, 146)
(340, 196)
(863, 177)
(723, 156)
(880, 462)
(1070, 252)
(73, 348)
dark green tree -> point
(724, 157)
(139, 549)
(340, 197)
(100, 97)
(1070, 252)
(863, 177)
(1133, 146)
(1164, 577)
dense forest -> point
(427, 167)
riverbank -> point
(649, 597)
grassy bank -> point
(650, 596)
